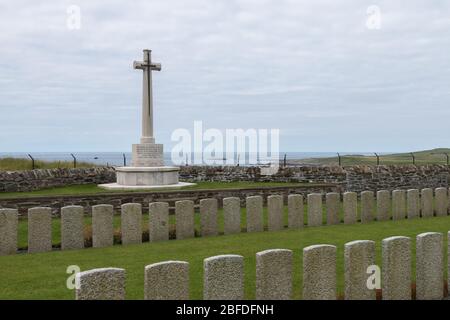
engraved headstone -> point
(295, 211)
(367, 202)
(167, 280)
(39, 229)
(254, 212)
(350, 207)
(184, 215)
(72, 227)
(429, 266)
(101, 284)
(223, 277)
(275, 212)
(208, 217)
(396, 268)
(158, 221)
(102, 226)
(319, 272)
(413, 203)
(398, 204)
(274, 274)
(314, 209)
(232, 215)
(131, 223)
(9, 219)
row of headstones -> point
(409, 203)
(224, 274)
(403, 203)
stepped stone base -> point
(129, 178)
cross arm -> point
(139, 65)
(142, 65)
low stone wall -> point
(144, 198)
(351, 178)
(14, 181)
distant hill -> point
(435, 156)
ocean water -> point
(117, 158)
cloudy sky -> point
(313, 69)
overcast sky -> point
(313, 69)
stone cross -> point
(147, 96)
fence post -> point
(32, 162)
(413, 158)
(74, 160)
(378, 158)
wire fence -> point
(46, 160)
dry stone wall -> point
(355, 178)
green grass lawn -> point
(94, 189)
(14, 164)
(43, 275)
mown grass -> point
(87, 189)
(43, 275)
(13, 164)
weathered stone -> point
(184, 213)
(274, 274)
(8, 231)
(383, 205)
(350, 207)
(315, 209)
(232, 215)
(441, 201)
(131, 223)
(358, 177)
(208, 217)
(72, 227)
(223, 278)
(254, 208)
(158, 221)
(319, 272)
(167, 280)
(448, 260)
(398, 204)
(358, 256)
(429, 266)
(295, 211)
(333, 204)
(413, 203)
(427, 202)
(396, 268)
(101, 284)
(275, 212)
(102, 226)
(367, 206)
(39, 229)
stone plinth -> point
(147, 155)
(146, 178)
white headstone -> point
(9, 219)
